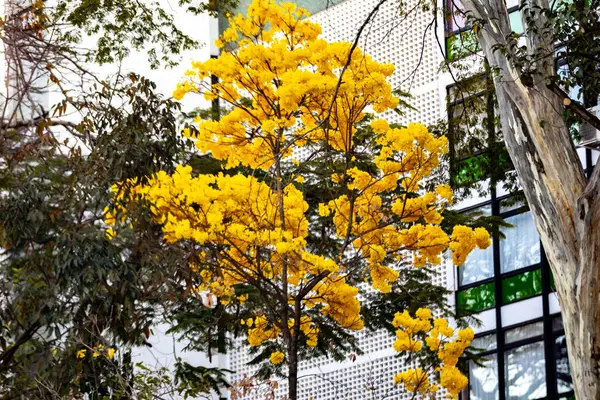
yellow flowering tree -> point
(292, 97)
(437, 346)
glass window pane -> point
(522, 286)
(521, 246)
(476, 299)
(484, 343)
(461, 45)
(512, 203)
(563, 374)
(467, 125)
(516, 23)
(483, 380)
(524, 332)
(480, 263)
(557, 324)
(468, 115)
(455, 17)
(462, 90)
(512, 3)
(525, 372)
(479, 266)
(471, 170)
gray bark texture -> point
(564, 205)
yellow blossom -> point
(109, 233)
(453, 380)
(442, 342)
(110, 353)
(243, 298)
(380, 125)
(277, 357)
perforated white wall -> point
(407, 42)
(404, 36)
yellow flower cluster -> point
(260, 330)
(415, 380)
(277, 357)
(340, 302)
(465, 240)
(311, 332)
(453, 380)
(405, 337)
(407, 156)
(445, 342)
(290, 74)
(108, 352)
(241, 214)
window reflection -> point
(524, 332)
(479, 266)
(563, 374)
(484, 379)
(521, 246)
(476, 299)
(480, 263)
(525, 372)
(484, 343)
(455, 19)
(522, 286)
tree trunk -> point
(293, 372)
(564, 206)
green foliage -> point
(128, 24)
(65, 285)
(414, 289)
(194, 381)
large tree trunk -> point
(564, 206)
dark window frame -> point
(499, 276)
(548, 337)
(457, 156)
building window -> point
(525, 362)
(476, 148)
(461, 41)
(563, 374)
(520, 246)
(514, 262)
(526, 372)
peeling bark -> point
(564, 206)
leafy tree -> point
(260, 243)
(66, 289)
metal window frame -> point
(548, 336)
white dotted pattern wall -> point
(407, 42)
(399, 36)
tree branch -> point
(34, 122)
(7, 355)
(574, 106)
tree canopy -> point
(292, 97)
